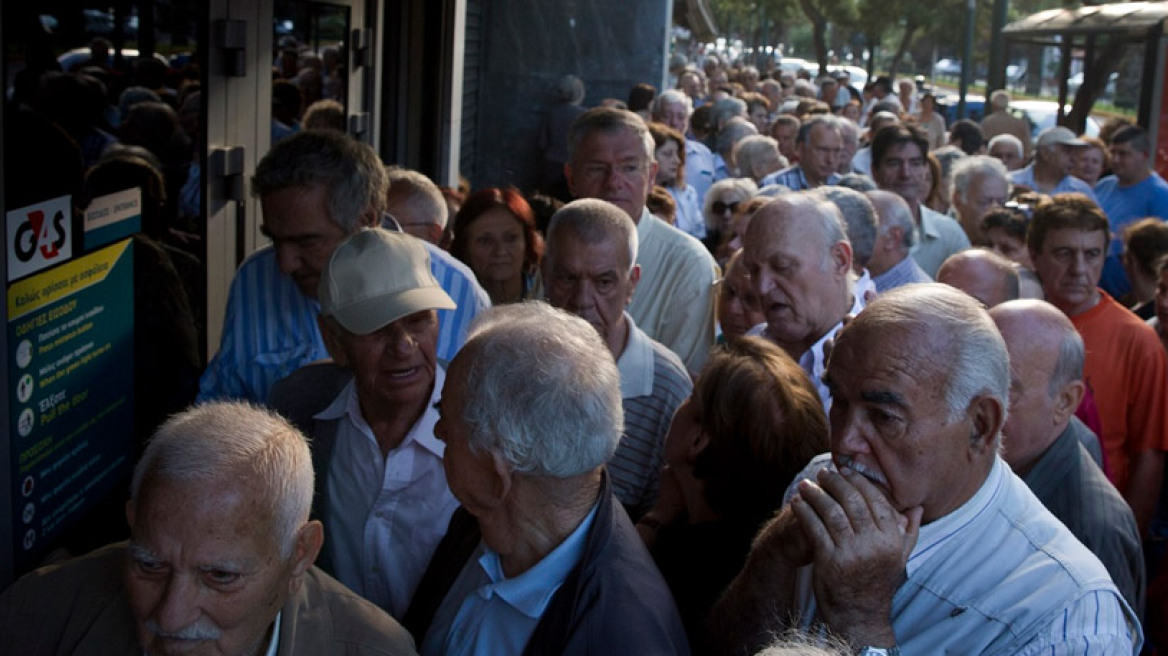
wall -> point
(528, 44)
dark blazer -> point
(613, 602)
(81, 608)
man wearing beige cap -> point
(1050, 173)
(381, 490)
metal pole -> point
(998, 61)
(967, 59)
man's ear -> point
(304, 552)
(332, 342)
(634, 278)
(1067, 400)
(987, 415)
(503, 477)
(435, 233)
(370, 218)
(841, 258)
(893, 238)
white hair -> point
(743, 188)
(1006, 139)
(977, 166)
(608, 120)
(543, 391)
(593, 221)
(1000, 99)
(669, 97)
(229, 442)
(752, 149)
(974, 356)
(421, 194)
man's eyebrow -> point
(884, 398)
(140, 553)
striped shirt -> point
(270, 328)
(906, 272)
(654, 382)
(794, 178)
(999, 575)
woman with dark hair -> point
(753, 422)
(494, 235)
(1145, 242)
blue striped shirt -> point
(794, 178)
(999, 575)
(270, 328)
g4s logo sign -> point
(39, 236)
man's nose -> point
(178, 607)
(287, 258)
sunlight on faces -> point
(205, 574)
(820, 155)
(496, 246)
(1069, 266)
(296, 219)
(675, 116)
(798, 277)
(1008, 154)
(889, 421)
(904, 171)
(1089, 165)
(982, 193)
(592, 281)
(668, 163)
(612, 166)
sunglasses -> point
(720, 208)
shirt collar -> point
(422, 432)
(636, 363)
(532, 591)
(928, 223)
(942, 529)
(274, 643)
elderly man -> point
(316, 189)
(980, 183)
(611, 158)
(912, 534)
(733, 131)
(1007, 149)
(1044, 443)
(899, 165)
(1126, 366)
(785, 130)
(416, 203)
(590, 270)
(799, 259)
(381, 490)
(1000, 121)
(1054, 157)
(860, 220)
(891, 264)
(849, 145)
(1133, 192)
(983, 274)
(819, 144)
(220, 558)
(673, 108)
(539, 559)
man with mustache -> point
(1126, 367)
(913, 533)
(219, 560)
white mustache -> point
(200, 630)
(866, 472)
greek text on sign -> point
(109, 209)
(39, 236)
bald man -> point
(984, 275)
(1044, 443)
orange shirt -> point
(1127, 369)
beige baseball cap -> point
(1059, 135)
(375, 278)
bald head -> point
(984, 275)
(1046, 371)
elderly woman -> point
(738, 308)
(1004, 230)
(753, 422)
(725, 204)
(494, 234)
(1092, 161)
(669, 145)
(757, 157)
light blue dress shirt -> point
(487, 614)
(270, 328)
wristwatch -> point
(880, 651)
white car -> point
(1041, 114)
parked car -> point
(1041, 114)
(70, 59)
(951, 67)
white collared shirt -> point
(387, 515)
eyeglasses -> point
(720, 208)
(1025, 209)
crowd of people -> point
(770, 365)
